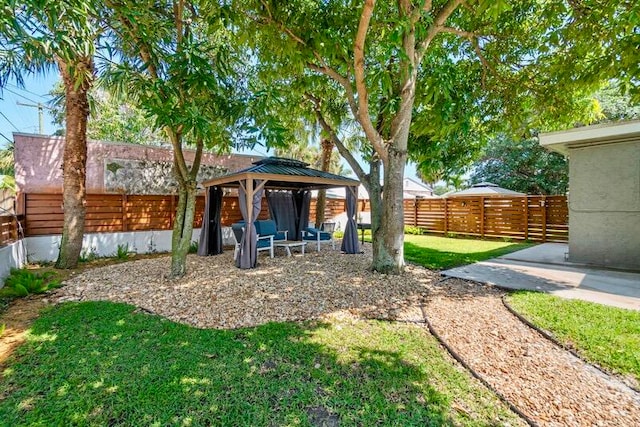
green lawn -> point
(607, 336)
(102, 363)
(439, 253)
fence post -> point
(124, 213)
(482, 217)
(526, 217)
(415, 212)
(446, 216)
(544, 218)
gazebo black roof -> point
(283, 173)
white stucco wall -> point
(604, 204)
(12, 256)
(45, 248)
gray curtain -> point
(302, 200)
(248, 254)
(283, 211)
(350, 239)
(211, 232)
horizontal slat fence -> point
(10, 226)
(537, 218)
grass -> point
(439, 253)
(607, 336)
(101, 363)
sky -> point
(16, 118)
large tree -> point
(174, 60)
(113, 117)
(427, 68)
(523, 166)
(39, 35)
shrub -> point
(21, 283)
(123, 252)
(193, 247)
(88, 255)
(410, 229)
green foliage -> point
(88, 255)
(616, 106)
(193, 247)
(523, 166)
(114, 117)
(607, 336)
(123, 252)
(97, 363)
(2, 329)
(22, 282)
(409, 229)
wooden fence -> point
(10, 226)
(539, 218)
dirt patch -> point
(18, 318)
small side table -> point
(288, 244)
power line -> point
(28, 91)
(3, 135)
(10, 122)
(20, 95)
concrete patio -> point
(544, 268)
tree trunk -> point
(389, 243)
(74, 160)
(183, 228)
(327, 149)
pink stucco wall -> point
(38, 161)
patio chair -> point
(267, 227)
(311, 234)
(265, 243)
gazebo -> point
(288, 183)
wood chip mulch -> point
(546, 383)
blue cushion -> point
(266, 228)
(264, 243)
(313, 234)
(312, 230)
(279, 236)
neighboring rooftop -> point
(485, 189)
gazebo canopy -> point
(274, 173)
(284, 174)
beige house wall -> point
(604, 204)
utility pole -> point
(40, 108)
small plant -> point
(151, 247)
(410, 229)
(123, 252)
(21, 283)
(193, 247)
(88, 255)
(2, 328)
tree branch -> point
(195, 167)
(363, 103)
(436, 27)
(343, 81)
(344, 152)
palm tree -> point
(35, 37)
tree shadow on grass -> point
(441, 260)
(101, 363)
